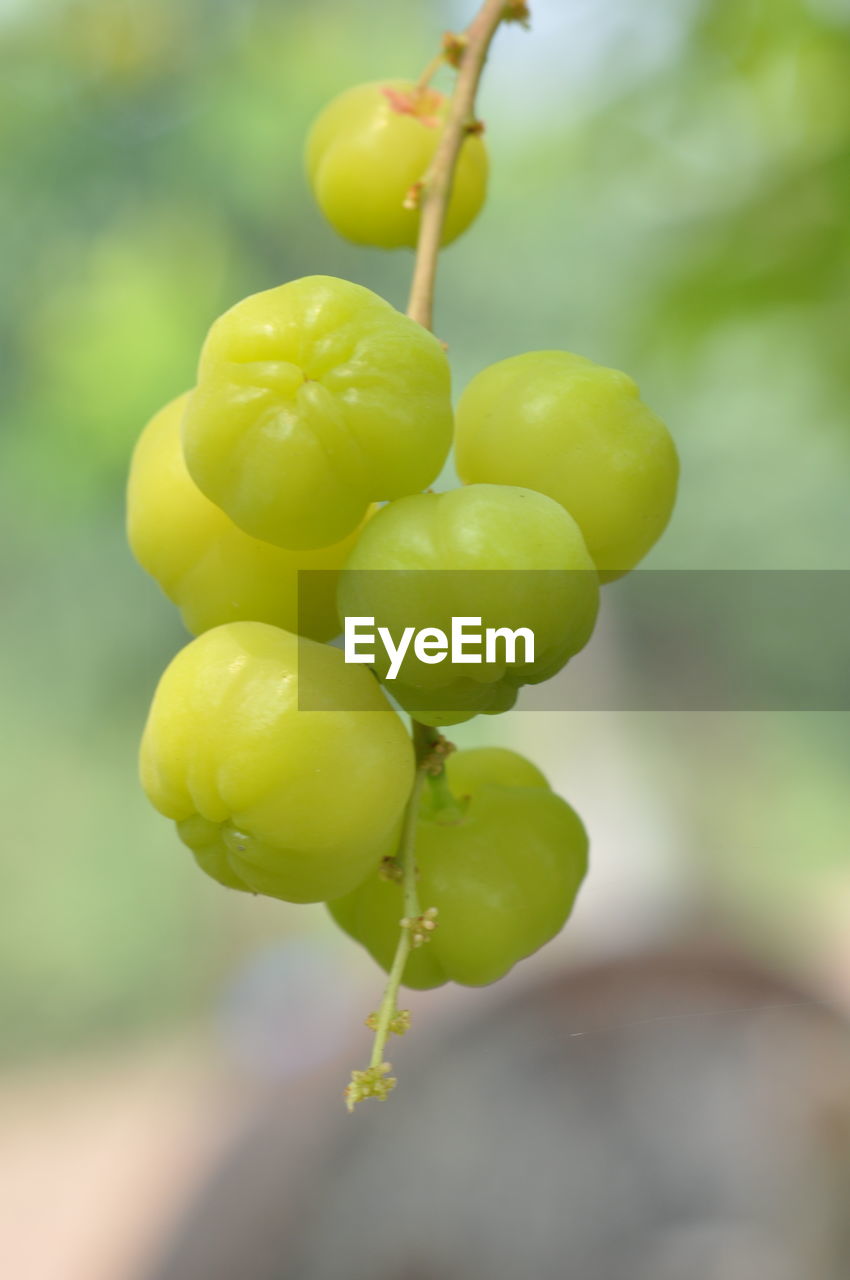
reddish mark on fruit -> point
(413, 198)
(423, 105)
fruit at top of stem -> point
(270, 798)
(509, 556)
(503, 876)
(313, 400)
(580, 433)
(370, 147)
(205, 564)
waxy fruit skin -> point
(511, 556)
(270, 798)
(314, 400)
(503, 875)
(205, 564)
(579, 432)
(370, 147)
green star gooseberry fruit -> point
(502, 868)
(510, 556)
(368, 150)
(580, 433)
(313, 400)
(204, 563)
(299, 805)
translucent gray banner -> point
(665, 640)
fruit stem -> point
(430, 71)
(446, 806)
(407, 860)
(437, 185)
(375, 1082)
(429, 745)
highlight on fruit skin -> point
(500, 875)
(370, 149)
(296, 804)
(205, 564)
(314, 400)
(580, 433)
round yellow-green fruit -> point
(502, 867)
(314, 400)
(272, 797)
(508, 557)
(370, 147)
(205, 564)
(581, 434)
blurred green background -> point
(670, 194)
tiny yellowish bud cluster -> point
(374, 1082)
(439, 750)
(398, 1024)
(454, 46)
(420, 927)
(517, 11)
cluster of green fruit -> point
(314, 403)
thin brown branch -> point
(437, 186)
